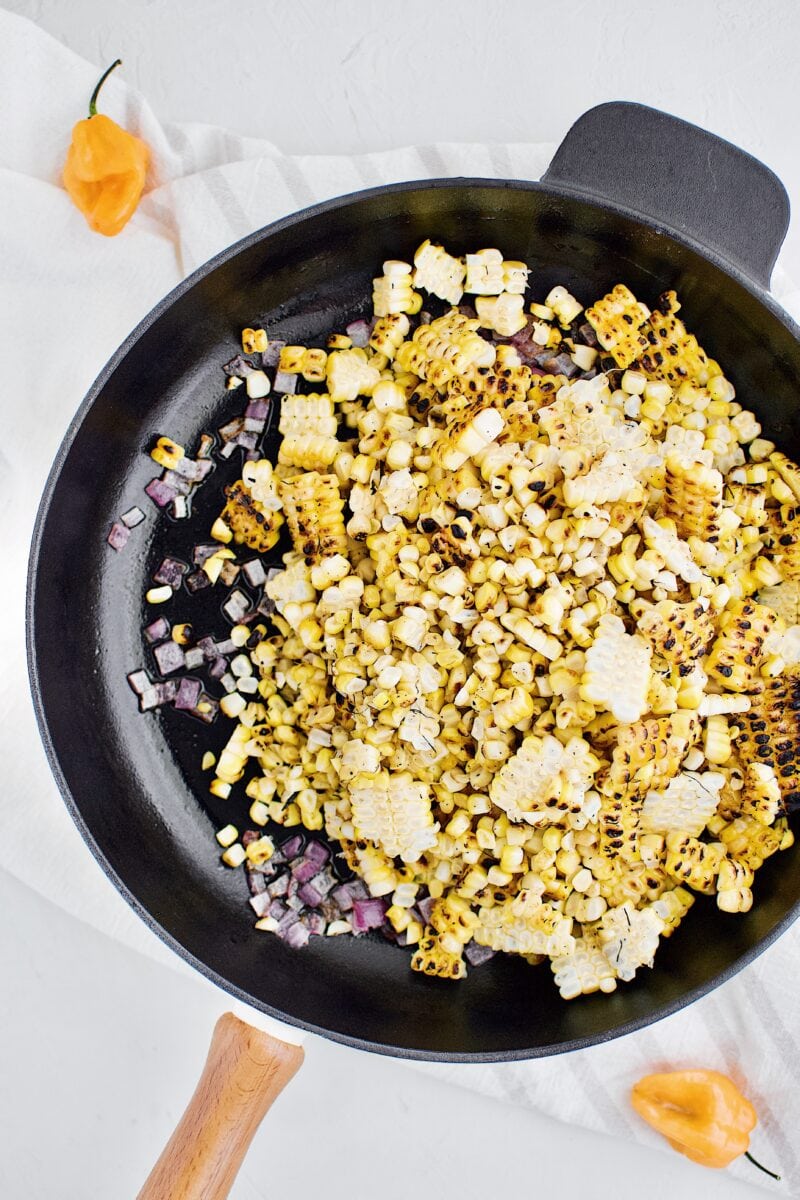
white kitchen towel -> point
(69, 298)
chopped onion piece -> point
(171, 571)
(358, 332)
(118, 536)
(188, 694)
(133, 517)
(193, 658)
(236, 607)
(157, 630)
(170, 657)
(272, 354)
(160, 493)
(254, 572)
(285, 382)
(368, 914)
(140, 682)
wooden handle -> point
(244, 1072)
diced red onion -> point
(279, 887)
(118, 536)
(254, 572)
(252, 425)
(477, 955)
(257, 410)
(169, 656)
(209, 648)
(425, 318)
(188, 693)
(193, 658)
(293, 901)
(203, 551)
(559, 364)
(357, 889)
(166, 691)
(236, 607)
(160, 493)
(133, 517)
(587, 335)
(358, 332)
(303, 869)
(180, 486)
(218, 667)
(425, 907)
(317, 852)
(179, 508)
(292, 846)
(171, 571)
(251, 456)
(247, 441)
(368, 914)
(324, 882)
(191, 471)
(309, 895)
(242, 367)
(225, 647)
(260, 904)
(467, 310)
(157, 630)
(197, 581)
(295, 935)
(343, 898)
(271, 355)
(139, 681)
(227, 450)
(285, 382)
(228, 681)
(277, 909)
(149, 699)
(315, 923)
(256, 882)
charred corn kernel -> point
(717, 741)
(167, 453)
(234, 856)
(259, 851)
(254, 341)
(259, 813)
(232, 704)
(439, 272)
(219, 788)
(208, 761)
(393, 292)
(227, 835)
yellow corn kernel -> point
(254, 341)
(167, 453)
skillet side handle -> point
(245, 1071)
(684, 178)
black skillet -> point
(632, 195)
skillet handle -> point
(685, 179)
(245, 1071)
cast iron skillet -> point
(632, 195)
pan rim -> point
(43, 511)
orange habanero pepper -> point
(105, 168)
(702, 1114)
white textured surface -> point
(102, 1045)
(100, 1048)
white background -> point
(99, 1047)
